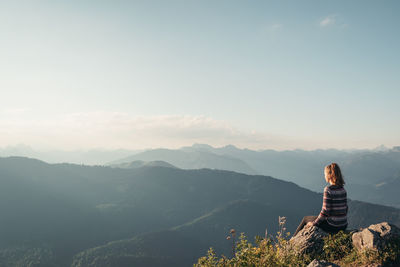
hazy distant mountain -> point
(387, 192)
(191, 160)
(88, 157)
(141, 163)
(365, 171)
(370, 174)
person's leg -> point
(331, 229)
(326, 227)
(306, 219)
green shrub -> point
(337, 246)
(267, 252)
(278, 251)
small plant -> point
(231, 236)
(391, 253)
(209, 260)
(387, 256)
(278, 251)
(282, 228)
(337, 246)
(267, 252)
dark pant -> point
(324, 225)
(306, 219)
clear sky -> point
(257, 74)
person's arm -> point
(326, 207)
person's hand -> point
(309, 224)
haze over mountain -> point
(194, 159)
(370, 175)
(51, 212)
(88, 157)
(141, 163)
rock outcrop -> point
(376, 236)
(322, 263)
(309, 241)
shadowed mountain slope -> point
(182, 245)
(66, 208)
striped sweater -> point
(334, 207)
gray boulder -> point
(376, 236)
(322, 263)
(309, 241)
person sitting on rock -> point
(333, 215)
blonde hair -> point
(334, 174)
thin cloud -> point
(275, 27)
(112, 130)
(14, 111)
(116, 130)
(328, 21)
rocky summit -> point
(377, 237)
(322, 263)
(309, 240)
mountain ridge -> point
(53, 203)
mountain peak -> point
(202, 146)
